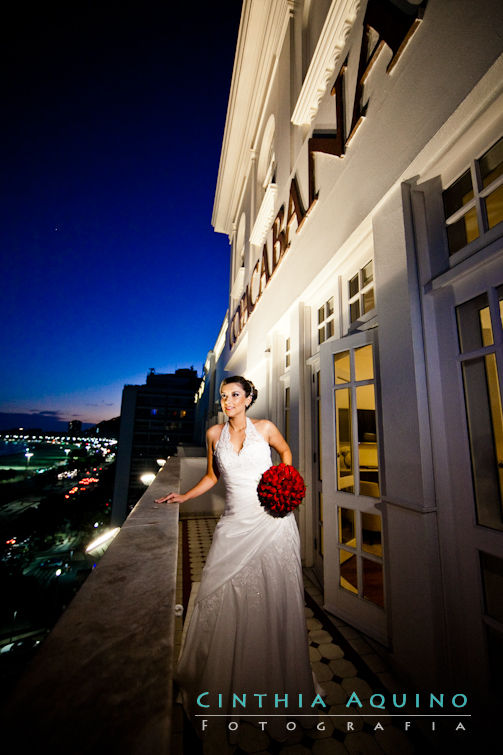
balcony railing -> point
(102, 680)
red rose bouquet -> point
(281, 489)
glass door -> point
(480, 359)
(353, 559)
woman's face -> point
(233, 399)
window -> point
(326, 324)
(360, 554)
(356, 432)
(473, 204)
(287, 353)
(480, 339)
(267, 161)
(357, 466)
(361, 292)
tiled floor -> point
(343, 661)
(194, 540)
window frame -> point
(328, 319)
(362, 290)
(480, 193)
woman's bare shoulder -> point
(214, 432)
(264, 426)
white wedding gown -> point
(247, 634)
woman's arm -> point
(276, 441)
(206, 482)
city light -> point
(161, 462)
(68, 474)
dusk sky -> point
(112, 126)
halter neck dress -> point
(247, 633)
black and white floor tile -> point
(343, 661)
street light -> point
(147, 478)
(28, 455)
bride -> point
(246, 648)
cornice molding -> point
(239, 283)
(338, 24)
(262, 30)
(265, 216)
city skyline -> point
(112, 134)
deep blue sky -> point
(112, 125)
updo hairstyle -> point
(245, 384)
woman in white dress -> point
(247, 635)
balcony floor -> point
(342, 659)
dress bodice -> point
(242, 471)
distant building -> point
(75, 427)
(155, 419)
(107, 428)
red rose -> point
(281, 489)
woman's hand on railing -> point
(171, 498)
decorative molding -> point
(314, 360)
(265, 216)
(220, 342)
(339, 22)
(263, 27)
(238, 285)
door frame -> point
(354, 609)
(462, 538)
(316, 483)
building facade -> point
(155, 419)
(208, 409)
(75, 427)
(361, 188)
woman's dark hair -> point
(245, 384)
